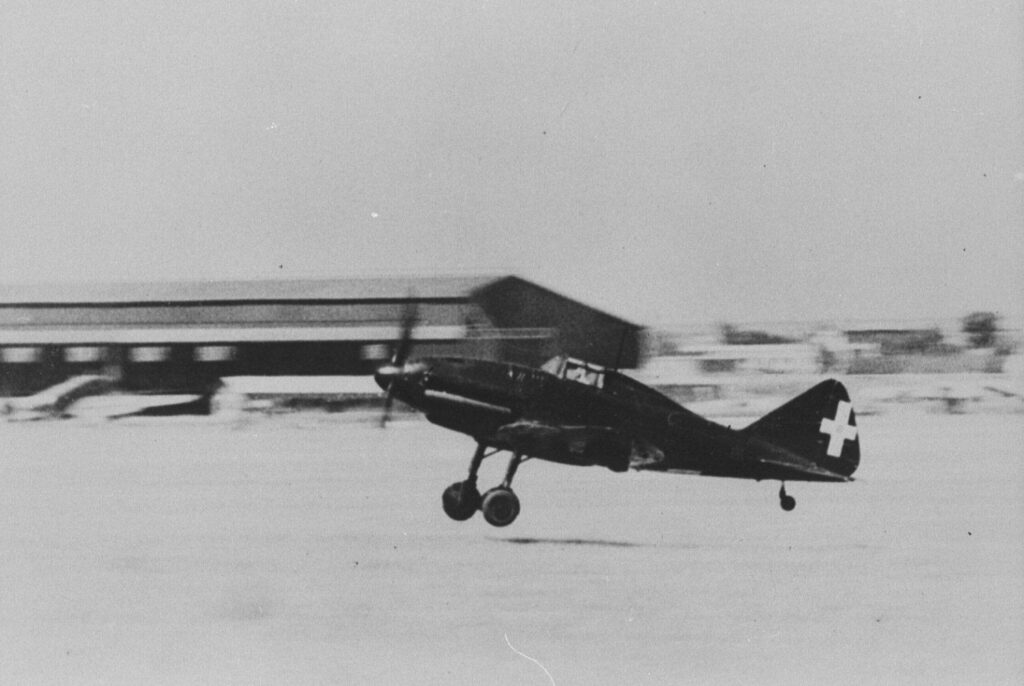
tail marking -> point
(839, 429)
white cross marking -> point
(839, 429)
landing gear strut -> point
(787, 502)
(500, 505)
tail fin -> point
(819, 425)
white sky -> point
(665, 161)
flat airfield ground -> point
(312, 549)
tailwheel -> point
(787, 502)
(500, 506)
(461, 500)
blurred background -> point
(722, 192)
(198, 348)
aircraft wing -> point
(580, 445)
(116, 406)
(54, 401)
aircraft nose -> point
(399, 375)
(385, 375)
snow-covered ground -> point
(307, 549)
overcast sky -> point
(667, 161)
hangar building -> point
(183, 337)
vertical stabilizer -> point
(819, 425)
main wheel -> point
(461, 500)
(500, 506)
(787, 502)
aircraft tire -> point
(787, 502)
(461, 500)
(500, 506)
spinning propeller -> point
(400, 353)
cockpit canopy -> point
(609, 380)
(565, 367)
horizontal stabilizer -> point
(785, 464)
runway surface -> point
(310, 549)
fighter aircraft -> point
(577, 413)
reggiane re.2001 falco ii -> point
(576, 413)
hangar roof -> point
(303, 290)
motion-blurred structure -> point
(185, 337)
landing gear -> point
(787, 502)
(461, 500)
(499, 505)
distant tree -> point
(981, 329)
(732, 335)
(920, 342)
(826, 359)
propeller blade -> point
(401, 351)
(389, 399)
(404, 343)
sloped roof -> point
(390, 288)
(515, 282)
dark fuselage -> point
(645, 430)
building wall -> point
(187, 347)
(196, 368)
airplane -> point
(95, 396)
(53, 402)
(577, 413)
